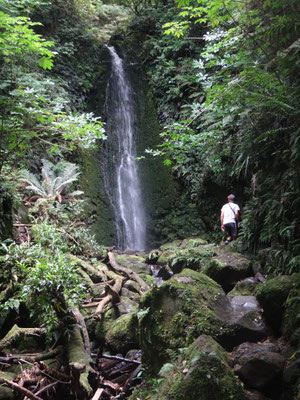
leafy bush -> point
(234, 126)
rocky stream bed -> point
(188, 321)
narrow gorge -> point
(124, 126)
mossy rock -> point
(99, 329)
(209, 375)
(123, 334)
(191, 243)
(203, 372)
(194, 258)
(273, 295)
(133, 262)
(228, 268)
(291, 317)
(165, 256)
(130, 294)
(148, 279)
(153, 256)
(171, 246)
(245, 287)
(175, 313)
(6, 393)
(22, 340)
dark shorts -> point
(231, 229)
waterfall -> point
(120, 166)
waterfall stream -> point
(120, 170)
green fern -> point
(54, 179)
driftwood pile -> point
(70, 370)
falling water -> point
(121, 172)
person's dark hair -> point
(231, 197)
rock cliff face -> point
(168, 212)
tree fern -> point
(54, 179)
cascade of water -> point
(121, 174)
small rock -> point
(258, 364)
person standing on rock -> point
(230, 218)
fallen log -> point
(32, 359)
(79, 362)
(84, 332)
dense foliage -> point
(227, 84)
(224, 75)
(43, 119)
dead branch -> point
(100, 313)
(127, 272)
(46, 388)
(20, 389)
(121, 359)
(131, 376)
(20, 225)
(32, 359)
(112, 294)
(98, 394)
(91, 305)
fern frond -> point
(33, 182)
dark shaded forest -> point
(221, 82)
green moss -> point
(191, 243)
(202, 372)
(165, 256)
(171, 246)
(98, 208)
(291, 316)
(148, 279)
(135, 263)
(273, 294)
(176, 312)
(123, 334)
(196, 259)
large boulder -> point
(259, 365)
(164, 257)
(6, 393)
(207, 374)
(133, 262)
(122, 334)
(193, 258)
(174, 314)
(228, 268)
(171, 245)
(23, 340)
(273, 296)
(291, 376)
(245, 287)
(191, 243)
(201, 372)
(245, 317)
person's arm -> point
(221, 219)
(237, 216)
